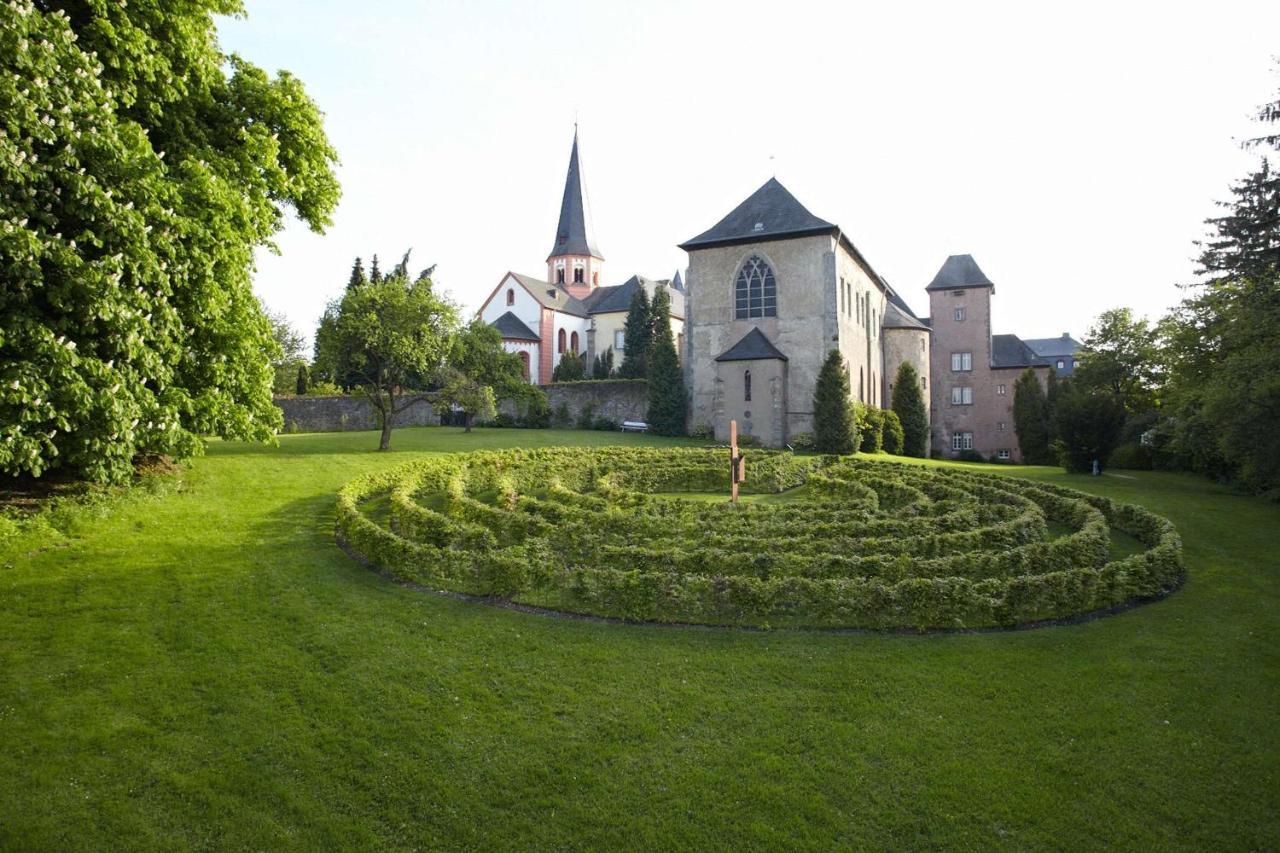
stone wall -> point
(337, 414)
(616, 399)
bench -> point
(635, 426)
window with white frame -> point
(1061, 364)
(961, 396)
(1002, 390)
(962, 361)
(959, 315)
(1001, 426)
(1002, 454)
(619, 338)
(962, 441)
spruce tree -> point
(637, 335)
(375, 274)
(666, 381)
(833, 425)
(304, 380)
(570, 368)
(358, 277)
(908, 404)
(1031, 419)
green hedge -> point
(862, 544)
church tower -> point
(574, 263)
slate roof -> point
(513, 328)
(551, 296)
(677, 283)
(573, 233)
(769, 213)
(896, 318)
(959, 271)
(1054, 347)
(1012, 351)
(606, 300)
(753, 347)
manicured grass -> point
(205, 668)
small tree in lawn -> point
(570, 368)
(1031, 419)
(893, 432)
(1088, 426)
(637, 335)
(474, 399)
(666, 381)
(389, 338)
(833, 419)
(908, 404)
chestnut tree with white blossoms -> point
(140, 167)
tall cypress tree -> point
(666, 381)
(375, 274)
(357, 275)
(908, 405)
(637, 335)
(834, 430)
(1031, 419)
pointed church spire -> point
(573, 234)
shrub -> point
(587, 416)
(908, 403)
(871, 429)
(704, 432)
(894, 435)
(1088, 427)
(605, 424)
(570, 368)
(561, 416)
(834, 430)
(1132, 457)
(802, 441)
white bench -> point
(635, 426)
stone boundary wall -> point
(342, 413)
(616, 399)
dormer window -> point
(511, 296)
(759, 226)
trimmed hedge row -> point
(862, 544)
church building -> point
(570, 311)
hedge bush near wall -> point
(860, 544)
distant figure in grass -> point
(834, 428)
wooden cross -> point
(737, 471)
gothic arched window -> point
(560, 341)
(755, 292)
(511, 296)
(573, 342)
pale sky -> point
(1073, 150)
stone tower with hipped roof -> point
(575, 263)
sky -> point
(1073, 149)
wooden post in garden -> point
(735, 462)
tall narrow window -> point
(619, 340)
(959, 315)
(962, 361)
(755, 291)
(560, 275)
(595, 277)
(861, 386)
(560, 341)
(746, 386)
(573, 342)
(577, 275)
(511, 296)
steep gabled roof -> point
(677, 283)
(1011, 351)
(754, 346)
(957, 272)
(514, 329)
(769, 213)
(617, 297)
(573, 233)
(550, 295)
(1054, 347)
(896, 318)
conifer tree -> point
(834, 430)
(569, 369)
(357, 275)
(666, 381)
(908, 404)
(1031, 419)
(375, 274)
(637, 335)
(304, 379)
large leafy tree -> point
(1223, 341)
(478, 355)
(390, 338)
(908, 404)
(666, 380)
(1032, 419)
(290, 355)
(637, 335)
(834, 428)
(139, 169)
(1088, 425)
(1122, 357)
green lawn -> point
(205, 668)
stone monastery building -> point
(770, 289)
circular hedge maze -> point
(817, 541)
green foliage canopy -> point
(834, 430)
(637, 335)
(1031, 419)
(140, 169)
(1122, 357)
(908, 403)
(666, 414)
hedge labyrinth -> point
(832, 542)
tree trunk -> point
(388, 414)
(466, 421)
